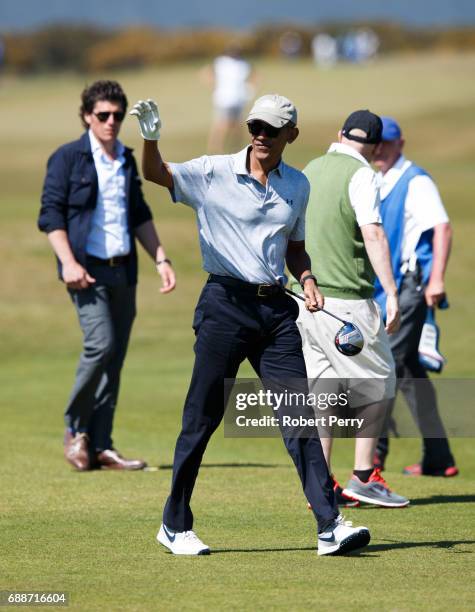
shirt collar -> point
(339, 147)
(399, 163)
(388, 181)
(240, 163)
(96, 145)
(395, 170)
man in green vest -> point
(347, 245)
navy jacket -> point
(70, 195)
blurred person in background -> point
(290, 44)
(324, 50)
(367, 45)
(232, 79)
(359, 46)
(419, 235)
(93, 209)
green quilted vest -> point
(333, 238)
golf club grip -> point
(299, 297)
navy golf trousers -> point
(232, 324)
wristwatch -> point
(306, 277)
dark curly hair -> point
(99, 91)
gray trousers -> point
(419, 394)
(106, 311)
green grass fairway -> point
(93, 534)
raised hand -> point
(149, 119)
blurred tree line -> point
(90, 49)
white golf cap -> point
(273, 109)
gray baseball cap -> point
(273, 109)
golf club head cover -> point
(429, 354)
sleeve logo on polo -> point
(289, 201)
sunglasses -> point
(257, 127)
(103, 116)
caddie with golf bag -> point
(420, 236)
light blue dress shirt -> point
(244, 226)
(109, 233)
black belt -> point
(112, 262)
(262, 290)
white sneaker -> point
(342, 537)
(181, 542)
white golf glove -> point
(149, 119)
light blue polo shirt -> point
(244, 226)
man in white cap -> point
(250, 210)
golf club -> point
(348, 339)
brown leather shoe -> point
(110, 459)
(76, 450)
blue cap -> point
(391, 129)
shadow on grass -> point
(363, 552)
(443, 499)
(215, 551)
(426, 501)
(393, 545)
(232, 465)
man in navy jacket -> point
(92, 209)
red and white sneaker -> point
(416, 470)
(376, 491)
